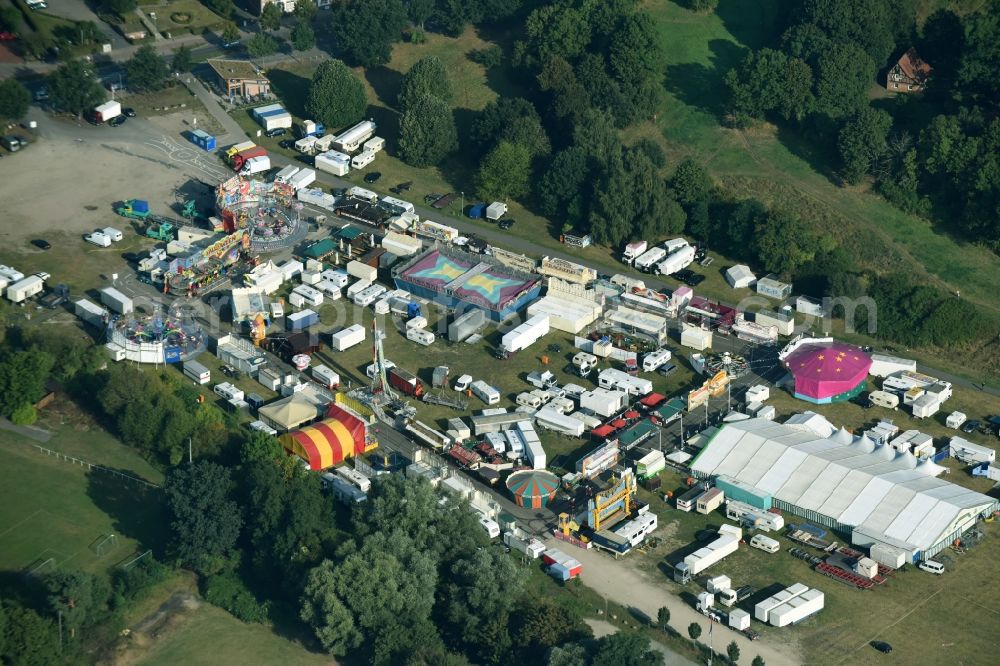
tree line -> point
(398, 579)
(934, 154)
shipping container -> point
(347, 337)
(116, 300)
(203, 140)
(298, 321)
(196, 372)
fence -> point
(92, 466)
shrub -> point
(228, 591)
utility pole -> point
(190, 458)
(60, 633)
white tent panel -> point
(782, 470)
(866, 502)
(920, 509)
(827, 478)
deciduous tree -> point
(303, 36)
(74, 89)
(31, 640)
(336, 97)
(146, 69)
(204, 520)
(365, 31)
(261, 45)
(78, 597)
(14, 100)
(862, 141)
(663, 618)
(270, 17)
(694, 631)
(562, 188)
(427, 132)
(22, 379)
(512, 119)
(427, 76)
(692, 183)
(323, 610)
(626, 648)
(182, 60)
(733, 652)
(504, 173)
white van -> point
(765, 543)
(932, 567)
(98, 238)
(114, 234)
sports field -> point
(55, 513)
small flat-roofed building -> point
(239, 78)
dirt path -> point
(621, 582)
(140, 637)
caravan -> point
(485, 392)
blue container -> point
(477, 211)
(203, 140)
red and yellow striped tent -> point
(329, 442)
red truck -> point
(405, 382)
(239, 159)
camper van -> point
(491, 527)
(485, 392)
(883, 399)
(528, 400)
(765, 543)
(932, 567)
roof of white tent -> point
(840, 477)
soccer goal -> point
(104, 544)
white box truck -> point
(256, 165)
(302, 178)
(526, 334)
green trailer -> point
(135, 209)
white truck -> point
(256, 165)
(634, 250)
(727, 543)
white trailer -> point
(789, 606)
(724, 545)
(884, 365)
(397, 206)
(116, 300)
(316, 197)
(650, 258)
(526, 334)
(25, 288)
(362, 159)
(89, 312)
(355, 478)
(347, 337)
(333, 162)
(523, 543)
(302, 178)
(655, 359)
(551, 418)
(534, 453)
(421, 336)
(351, 139)
(196, 372)
(374, 144)
(362, 271)
(969, 453)
(612, 378)
(485, 392)
(604, 402)
(746, 514)
(363, 194)
(677, 260)
(325, 376)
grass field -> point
(56, 510)
(925, 617)
(213, 637)
(781, 167)
(197, 17)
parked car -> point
(667, 369)
(689, 277)
(276, 132)
(129, 111)
(117, 121)
(372, 177)
(43, 275)
(42, 244)
(287, 143)
(431, 198)
(505, 224)
(881, 646)
(405, 186)
(463, 383)
(971, 426)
